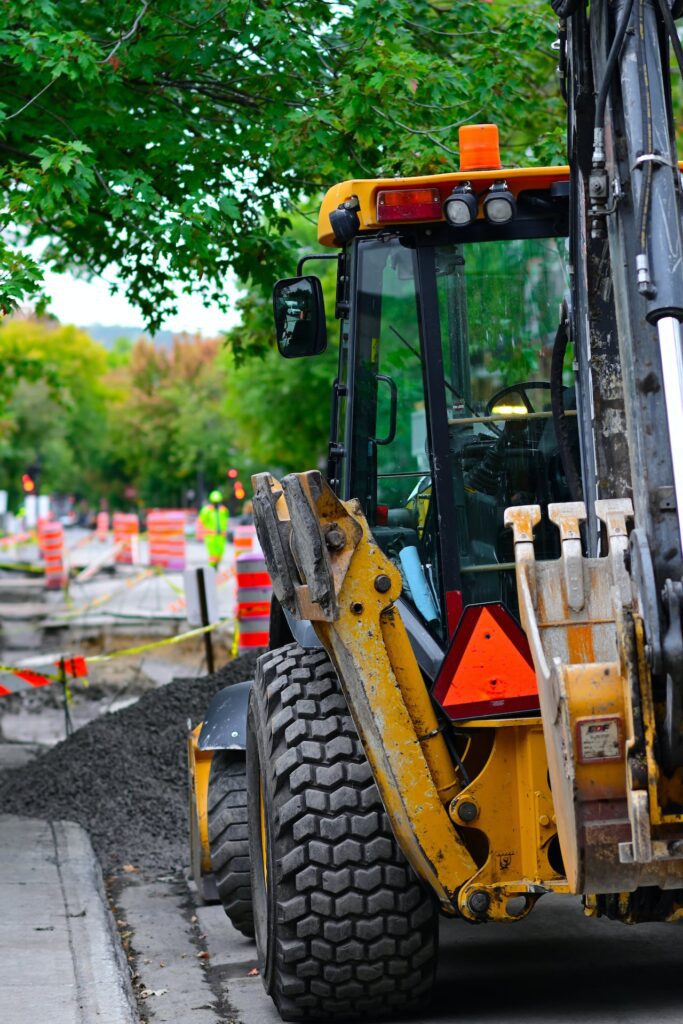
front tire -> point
(343, 926)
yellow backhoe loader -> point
(474, 696)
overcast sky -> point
(89, 302)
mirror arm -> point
(315, 256)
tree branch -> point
(33, 99)
(426, 132)
(127, 35)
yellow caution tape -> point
(199, 631)
(96, 602)
(23, 567)
(166, 579)
(14, 670)
(83, 542)
(100, 658)
(15, 540)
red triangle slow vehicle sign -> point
(487, 671)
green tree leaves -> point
(171, 139)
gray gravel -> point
(123, 777)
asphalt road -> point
(556, 966)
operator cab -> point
(449, 295)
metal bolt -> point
(467, 810)
(356, 607)
(382, 583)
(544, 820)
(335, 538)
(478, 902)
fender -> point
(225, 723)
(302, 631)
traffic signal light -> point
(239, 490)
(233, 474)
(28, 484)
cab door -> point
(390, 457)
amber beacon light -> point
(479, 149)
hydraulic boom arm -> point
(605, 632)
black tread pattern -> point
(228, 838)
(356, 930)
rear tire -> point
(227, 810)
(343, 925)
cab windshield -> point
(451, 409)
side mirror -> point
(299, 312)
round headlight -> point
(460, 209)
(499, 204)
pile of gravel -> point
(123, 777)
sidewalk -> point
(60, 957)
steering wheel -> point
(521, 389)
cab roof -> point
(366, 190)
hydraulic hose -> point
(647, 138)
(559, 418)
(611, 64)
(565, 8)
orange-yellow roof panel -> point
(518, 179)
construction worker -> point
(214, 518)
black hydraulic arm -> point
(627, 256)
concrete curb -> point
(60, 954)
(102, 974)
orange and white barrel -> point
(126, 527)
(40, 532)
(244, 538)
(102, 526)
(254, 591)
(166, 538)
(199, 529)
(53, 554)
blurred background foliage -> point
(136, 424)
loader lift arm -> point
(310, 538)
(326, 567)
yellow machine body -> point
(198, 769)
(507, 809)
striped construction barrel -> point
(244, 538)
(53, 554)
(254, 591)
(166, 538)
(40, 532)
(102, 527)
(126, 531)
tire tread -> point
(356, 930)
(229, 839)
